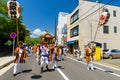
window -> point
(64, 29)
(75, 17)
(115, 29)
(104, 46)
(113, 50)
(106, 29)
(114, 13)
(74, 31)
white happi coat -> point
(44, 55)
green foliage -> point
(32, 41)
(8, 25)
(3, 7)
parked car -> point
(111, 53)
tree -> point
(32, 41)
(3, 10)
(8, 25)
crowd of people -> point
(45, 53)
(48, 52)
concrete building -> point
(83, 23)
(62, 28)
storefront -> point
(72, 45)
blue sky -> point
(39, 15)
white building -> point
(62, 28)
(83, 22)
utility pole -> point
(56, 41)
(98, 21)
(55, 30)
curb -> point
(107, 64)
(6, 64)
(100, 62)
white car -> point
(111, 53)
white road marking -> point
(95, 66)
(115, 74)
(63, 75)
(99, 68)
(2, 71)
(107, 66)
(76, 60)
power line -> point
(97, 10)
(91, 8)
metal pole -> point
(96, 32)
(55, 30)
(98, 22)
(13, 46)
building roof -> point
(63, 13)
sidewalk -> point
(112, 63)
(4, 61)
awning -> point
(70, 42)
(97, 43)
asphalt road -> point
(69, 69)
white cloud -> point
(32, 36)
(36, 33)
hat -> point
(20, 42)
